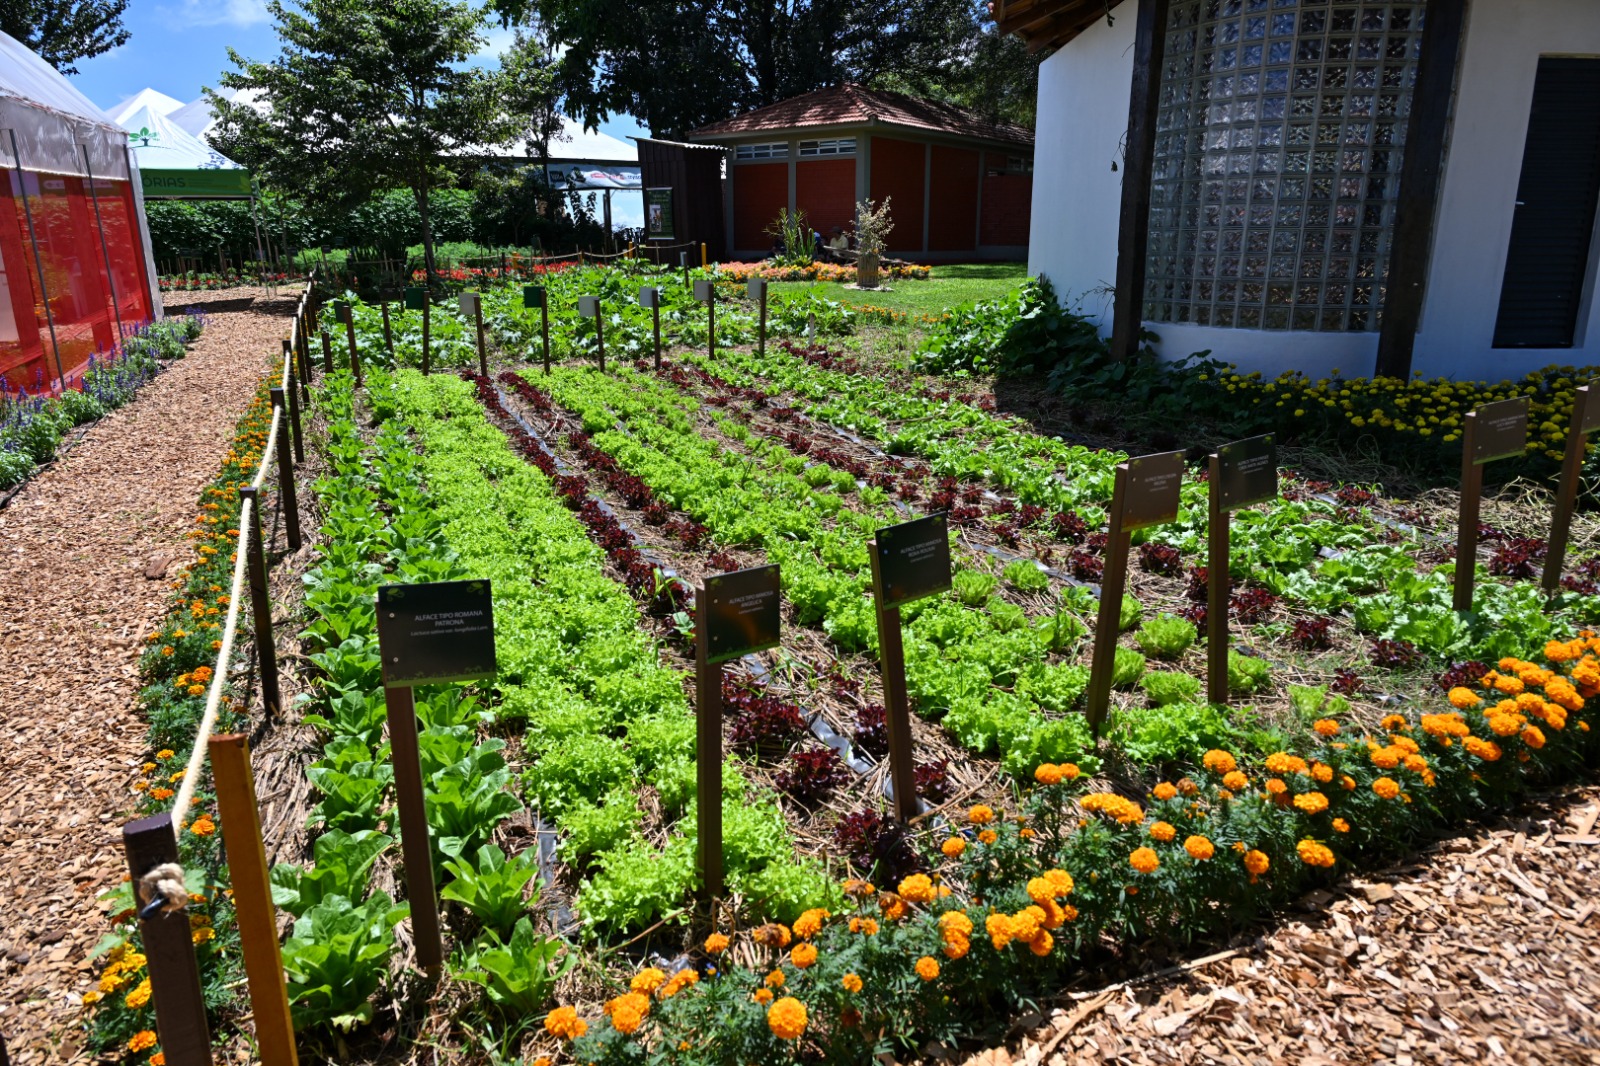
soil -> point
(87, 545)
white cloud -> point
(224, 12)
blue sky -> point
(178, 46)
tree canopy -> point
(679, 64)
(65, 31)
(374, 94)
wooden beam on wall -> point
(1133, 230)
(1412, 249)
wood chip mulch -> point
(1483, 949)
(86, 547)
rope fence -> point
(151, 843)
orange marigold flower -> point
(161, 793)
(143, 1040)
(1163, 832)
(628, 1011)
(954, 923)
(1311, 802)
(1199, 848)
(1462, 698)
(894, 907)
(1347, 783)
(1386, 787)
(1046, 774)
(1276, 786)
(864, 926)
(563, 1023)
(851, 982)
(164, 754)
(1070, 771)
(1511, 686)
(1219, 762)
(998, 927)
(716, 944)
(1256, 863)
(956, 947)
(809, 924)
(682, 979)
(1326, 727)
(953, 847)
(648, 980)
(1124, 811)
(1061, 880)
(927, 968)
(787, 1018)
(1041, 943)
(772, 935)
(1487, 750)
(1164, 791)
(1341, 826)
(1321, 772)
(1394, 722)
(1533, 736)
(762, 995)
(1314, 854)
(803, 955)
(1385, 758)
(1144, 860)
(981, 814)
(203, 826)
(918, 888)
(988, 836)
(774, 979)
(1236, 780)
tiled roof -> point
(849, 104)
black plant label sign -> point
(533, 296)
(742, 613)
(1150, 493)
(913, 560)
(436, 632)
(416, 297)
(1248, 472)
(1500, 430)
(342, 312)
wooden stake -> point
(169, 948)
(708, 756)
(761, 334)
(1467, 524)
(1108, 623)
(327, 353)
(388, 330)
(294, 404)
(1567, 489)
(286, 493)
(252, 898)
(355, 354)
(1217, 580)
(544, 328)
(483, 356)
(415, 847)
(427, 345)
(892, 661)
(261, 606)
(600, 334)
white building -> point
(1388, 186)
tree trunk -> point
(421, 192)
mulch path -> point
(75, 603)
(1482, 949)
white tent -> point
(161, 144)
(589, 146)
(157, 101)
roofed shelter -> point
(960, 184)
(75, 266)
(1373, 186)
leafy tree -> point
(65, 31)
(679, 64)
(368, 95)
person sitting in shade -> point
(838, 243)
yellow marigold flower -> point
(1326, 727)
(164, 754)
(648, 980)
(803, 955)
(1341, 826)
(149, 767)
(762, 995)
(1164, 791)
(851, 982)
(1311, 802)
(91, 998)
(1219, 762)
(787, 1018)
(927, 968)
(203, 934)
(1199, 848)
(1386, 787)
(716, 944)
(143, 1040)
(1236, 780)
(1144, 860)
(918, 888)
(1314, 854)
(1463, 698)
(953, 847)
(981, 814)
(140, 995)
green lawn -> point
(950, 286)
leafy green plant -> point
(1175, 733)
(1246, 673)
(1130, 613)
(518, 978)
(973, 587)
(1127, 667)
(1024, 576)
(1062, 630)
(337, 957)
(1167, 687)
(1165, 636)
(491, 888)
(343, 862)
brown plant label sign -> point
(742, 613)
(1248, 472)
(1588, 401)
(1150, 494)
(436, 632)
(1501, 430)
(913, 560)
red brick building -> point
(960, 185)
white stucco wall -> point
(1504, 41)
(1077, 197)
(1083, 109)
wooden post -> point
(427, 346)
(294, 405)
(261, 606)
(388, 330)
(169, 948)
(1467, 523)
(655, 316)
(758, 289)
(892, 661)
(286, 495)
(302, 353)
(1133, 229)
(416, 849)
(600, 334)
(1217, 580)
(1108, 623)
(327, 353)
(483, 355)
(1585, 417)
(708, 756)
(702, 255)
(355, 354)
(250, 878)
(683, 261)
(544, 328)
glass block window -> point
(839, 146)
(777, 150)
(1277, 161)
